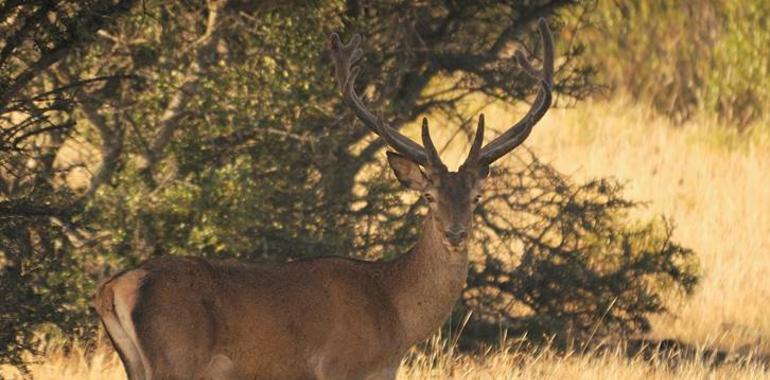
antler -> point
(345, 57)
(475, 153)
(519, 132)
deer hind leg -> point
(387, 373)
(331, 373)
(220, 368)
(114, 308)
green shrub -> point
(566, 262)
(685, 58)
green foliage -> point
(44, 279)
(737, 85)
(688, 57)
(38, 287)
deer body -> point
(323, 318)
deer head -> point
(452, 196)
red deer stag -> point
(323, 318)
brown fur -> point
(326, 318)
(115, 300)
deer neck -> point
(426, 282)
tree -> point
(564, 260)
(38, 211)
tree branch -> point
(87, 25)
(175, 109)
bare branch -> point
(176, 107)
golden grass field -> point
(713, 185)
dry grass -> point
(716, 192)
(717, 196)
(514, 364)
(440, 363)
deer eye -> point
(428, 197)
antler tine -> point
(478, 139)
(391, 136)
(433, 158)
(519, 132)
(345, 56)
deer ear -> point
(408, 172)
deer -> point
(319, 318)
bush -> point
(688, 57)
(562, 259)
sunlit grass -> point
(718, 196)
(439, 362)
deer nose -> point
(456, 236)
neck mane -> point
(425, 283)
